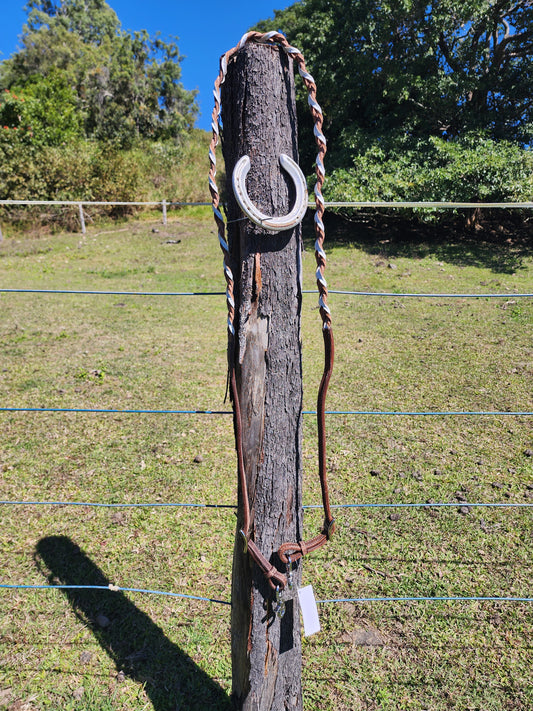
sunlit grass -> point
(132, 352)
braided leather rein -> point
(288, 552)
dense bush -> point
(91, 112)
(79, 170)
(422, 101)
(90, 77)
(98, 171)
(43, 113)
(470, 169)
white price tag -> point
(309, 610)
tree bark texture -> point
(259, 119)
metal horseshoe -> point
(272, 224)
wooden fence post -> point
(164, 205)
(259, 119)
(82, 218)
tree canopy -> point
(438, 68)
(401, 78)
(125, 85)
(89, 111)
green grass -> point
(130, 352)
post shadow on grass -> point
(137, 646)
(501, 242)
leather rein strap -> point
(288, 552)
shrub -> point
(96, 171)
(470, 169)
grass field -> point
(103, 651)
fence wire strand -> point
(116, 588)
(440, 205)
(455, 413)
(378, 413)
(429, 504)
(340, 292)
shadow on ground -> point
(137, 646)
(494, 242)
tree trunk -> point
(259, 119)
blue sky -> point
(205, 29)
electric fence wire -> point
(428, 504)
(440, 205)
(404, 413)
(116, 588)
(341, 292)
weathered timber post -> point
(259, 120)
(82, 218)
(262, 250)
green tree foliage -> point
(126, 85)
(433, 83)
(44, 112)
(97, 170)
(137, 92)
(470, 169)
(90, 112)
(91, 21)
